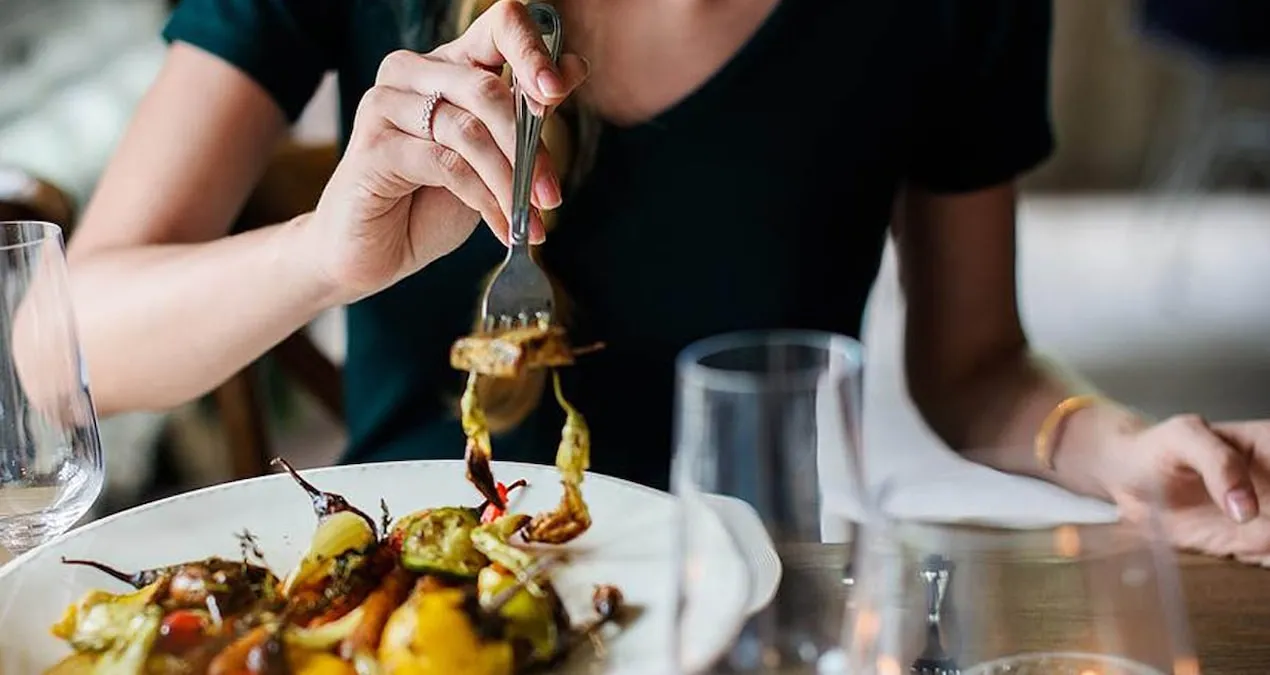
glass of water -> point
(974, 599)
(767, 470)
(50, 453)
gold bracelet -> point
(1045, 437)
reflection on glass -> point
(50, 454)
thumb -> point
(1223, 468)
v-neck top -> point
(760, 200)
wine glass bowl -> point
(51, 468)
(1074, 599)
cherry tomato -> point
(182, 630)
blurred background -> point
(1144, 243)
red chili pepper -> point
(492, 513)
(181, 630)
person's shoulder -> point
(987, 94)
(284, 45)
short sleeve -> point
(985, 118)
(286, 46)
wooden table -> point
(1229, 607)
(1230, 615)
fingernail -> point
(550, 83)
(547, 190)
(586, 66)
(537, 230)
(1241, 504)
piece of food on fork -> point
(510, 353)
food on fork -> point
(450, 590)
(571, 518)
(508, 354)
(512, 352)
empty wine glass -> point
(50, 452)
(973, 599)
(766, 470)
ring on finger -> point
(430, 102)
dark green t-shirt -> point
(761, 200)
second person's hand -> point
(1206, 482)
(410, 190)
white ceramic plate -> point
(631, 544)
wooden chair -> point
(25, 196)
(290, 186)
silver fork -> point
(520, 294)
(936, 573)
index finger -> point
(1223, 467)
(506, 34)
(1252, 434)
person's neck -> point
(646, 55)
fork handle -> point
(529, 130)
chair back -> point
(26, 196)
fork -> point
(520, 294)
(936, 573)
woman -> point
(733, 165)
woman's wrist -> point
(1086, 446)
(298, 255)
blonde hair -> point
(571, 135)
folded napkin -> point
(910, 474)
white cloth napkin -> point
(915, 476)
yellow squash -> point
(432, 634)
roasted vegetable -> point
(325, 636)
(478, 449)
(511, 352)
(364, 639)
(79, 663)
(266, 650)
(183, 630)
(508, 354)
(325, 504)
(351, 577)
(489, 512)
(529, 617)
(573, 457)
(443, 632)
(233, 585)
(491, 540)
(318, 663)
(128, 655)
(259, 652)
(439, 541)
(100, 619)
(338, 534)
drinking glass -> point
(50, 452)
(766, 469)
(962, 599)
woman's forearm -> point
(994, 417)
(162, 324)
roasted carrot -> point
(379, 605)
(240, 657)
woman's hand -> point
(402, 197)
(1209, 481)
